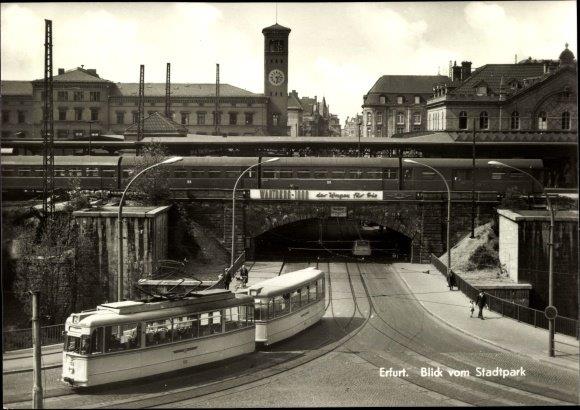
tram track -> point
(223, 385)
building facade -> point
(352, 126)
(397, 104)
(532, 95)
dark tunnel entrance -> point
(334, 239)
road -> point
(372, 322)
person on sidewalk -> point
(471, 308)
(451, 280)
(227, 278)
(244, 275)
(481, 302)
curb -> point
(465, 332)
(16, 371)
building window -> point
(233, 118)
(62, 96)
(417, 118)
(542, 121)
(5, 116)
(399, 100)
(481, 90)
(94, 114)
(368, 131)
(62, 134)
(565, 120)
(62, 114)
(217, 119)
(483, 121)
(78, 114)
(275, 119)
(369, 118)
(135, 117)
(379, 130)
(400, 118)
(78, 96)
(379, 118)
(416, 128)
(95, 96)
(515, 121)
(185, 118)
(400, 129)
(120, 117)
(463, 120)
(21, 117)
(382, 99)
(78, 133)
(249, 118)
(201, 118)
(417, 99)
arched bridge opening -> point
(331, 239)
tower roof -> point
(566, 56)
(276, 28)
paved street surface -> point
(376, 318)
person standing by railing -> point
(481, 302)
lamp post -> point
(120, 223)
(90, 135)
(448, 212)
(550, 253)
(234, 206)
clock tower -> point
(276, 77)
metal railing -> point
(534, 317)
(231, 270)
(22, 338)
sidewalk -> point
(452, 307)
(18, 361)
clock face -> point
(276, 77)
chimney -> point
(60, 71)
(92, 72)
(456, 72)
(465, 69)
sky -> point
(336, 50)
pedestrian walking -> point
(227, 279)
(451, 280)
(244, 275)
(471, 308)
(481, 302)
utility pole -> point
(168, 92)
(217, 100)
(473, 184)
(140, 113)
(37, 396)
(48, 126)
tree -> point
(152, 188)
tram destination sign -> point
(307, 195)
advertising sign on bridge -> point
(306, 195)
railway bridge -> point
(419, 218)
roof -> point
(202, 161)
(77, 75)
(128, 211)
(294, 103)
(538, 215)
(16, 88)
(407, 84)
(182, 90)
(276, 27)
(489, 136)
(284, 283)
(158, 124)
(491, 75)
(69, 160)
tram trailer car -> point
(129, 340)
(316, 173)
(287, 304)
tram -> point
(287, 304)
(129, 339)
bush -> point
(483, 257)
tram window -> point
(391, 173)
(304, 295)
(263, 309)
(281, 306)
(319, 174)
(159, 332)
(97, 340)
(108, 173)
(72, 344)
(338, 174)
(216, 322)
(320, 288)
(204, 325)
(92, 172)
(295, 299)
(312, 295)
(122, 337)
(180, 174)
(233, 320)
(247, 314)
(269, 174)
(303, 174)
(497, 175)
(214, 174)
(198, 174)
(185, 327)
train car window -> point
(214, 174)
(319, 174)
(391, 173)
(269, 174)
(338, 174)
(497, 175)
(108, 173)
(92, 172)
(38, 172)
(302, 174)
(372, 175)
(516, 175)
(180, 174)
(354, 174)
(59, 173)
(75, 172)
(428, 174)
(185, 327)
(232, 174)
(9, 172)
(408, 174)
(197, 174)
(159, 332)
(127, 173)
(462, 174)
(97, 341)
(285, 174)
(249, 174)
(122, 337)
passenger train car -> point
(287, 304)
(315, 173)
(128, 340)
